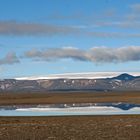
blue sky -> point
(41, 37)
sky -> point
(42, 37)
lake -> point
(70, 109)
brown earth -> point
(68, 97)
(125, 127)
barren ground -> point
(70, 128)
(68, 97)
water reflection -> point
(70, 109)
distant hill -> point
(125, 77)
(122, 82)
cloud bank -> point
(33, 29)
(95, 54)
(14, 28)
(57, 53)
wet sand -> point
(125, 127)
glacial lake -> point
(70, 109)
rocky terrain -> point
(125, 127)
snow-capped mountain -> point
(96, 82)
(88, 75)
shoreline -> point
(66, 97)
(100, 127)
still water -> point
(70, 109)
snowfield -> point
(89, 75)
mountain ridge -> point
(122, 82)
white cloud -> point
(95, 54)
(10, 58)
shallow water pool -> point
(70, 109)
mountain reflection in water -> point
(70, 109)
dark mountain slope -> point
(122, 82)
